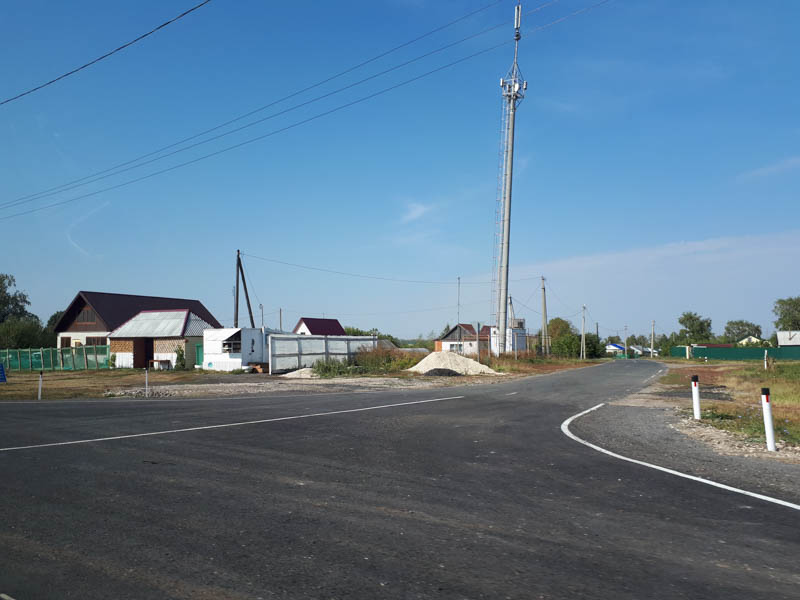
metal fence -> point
(782, 353)
(288, 352)
(79, 358)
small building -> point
(152, 338)
(309, 326)
(516, 337)
(234, 348)
(461, 338)
(750, 340)
(788, 338)
(615, 349)
(92, 316)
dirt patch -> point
(674, 391)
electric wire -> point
(296, 123)
(362, 276)
(119, 168)
(104, 56)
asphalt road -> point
(480, 496)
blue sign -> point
(2, 374)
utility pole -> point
(513, 91)
(280, 319)
(458, 320)
(236, 295)
(652, 338)
(583, 334)
(261, 306)
(597, 330)
(545, 337)
(626, 340)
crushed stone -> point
(453, 362)
(307, 373)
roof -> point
(617, 346)
(468, 329)
(161, 324)
(116, 309)
(321, 326)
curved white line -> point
(568, 433)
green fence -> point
(79, 358)
(783, 353)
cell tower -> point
(513, 86)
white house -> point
(461, 338)
(749, 340)
(309, 326)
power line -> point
(362, 276)
(295, 124)
(131, 164)
(106, 55)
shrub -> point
(382, 360)
(180, 358)
(331, 368)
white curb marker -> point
(696, 397)
(769, 428)
(568, 433)
(223, 425)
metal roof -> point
(161, 324)
(789, 338)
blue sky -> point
(657, 158)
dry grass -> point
(532, 364)
(59, 385)
(743, 382)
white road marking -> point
(568, 433)
(239, 424)
(5, 597)
(511, 393)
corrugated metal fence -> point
(79, 358)
(288, 352)
(782, 353)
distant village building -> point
(460, 338)
(153, 338)
(92, 316)
(309, 326)
(749, 341)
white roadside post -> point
(765, 360)
(769, 428)
(146, 386)
(696, 397)
(39, 395)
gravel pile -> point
(307, 373)
(452, 362)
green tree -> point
(614, 339)
(788, 312)
(13, 303)
(594, 348)
(21, 332)
(695, 328)
(738, 330)
(558, 327)
(567, 345)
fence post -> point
(146, 385)
(696, 397)
(326, 349)
(765, 359)
(769, 428)
(39, 395)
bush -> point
(382, 360)
(180, 358)
(112, 360)
(332, 368)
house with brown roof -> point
(92, 316)
(461, 338)
(309, 326)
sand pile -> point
(307, 373)
(453, 362)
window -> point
(95, 341)
(87, 315)
(66, 342)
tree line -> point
(20, 328)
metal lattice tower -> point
(513, 86)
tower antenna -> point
(513, 87)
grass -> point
(59, 385)
(743, 382)
(369, 362)
(531, 363)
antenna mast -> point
(513, 87)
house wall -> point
(79, 337)
(303, 329)
(123, 360)
(468, 347)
